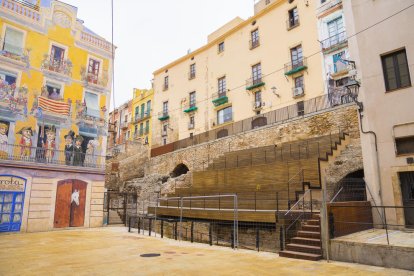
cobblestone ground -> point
(114, 251)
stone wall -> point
(199, 156)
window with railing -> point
(296, 56)
(165, 108)
(221, 83)
(57, 57)
(148, 108)
(192, 99)
(257, 73)
(54, 91)
(93, 71)
(254, 39)
(293, 19)
(13, 41)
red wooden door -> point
(62, 206)
(77, 212)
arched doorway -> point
(222, 133)
(180, 169)
(352, 187)
(259, 122)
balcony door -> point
(93, 70)
(296, 56)
(70, 203)
(57, 56)
(335, 27)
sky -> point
(152, 33)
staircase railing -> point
(293, 180)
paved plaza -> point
(114, 251)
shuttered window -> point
(396, 72)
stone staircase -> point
(306, 244)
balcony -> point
(54, 107)
(335, 42)
(257, 105)
(89, 115)
(62, 67)
(93, 79)
(254, 43)
(327, 6)
(254, 82)
(13, 98)
(162, 116)
(14, 55)
(25, 10)
(96, 41)
(292, 23)
(141, 117)
(190, 107)
(220, 98)
(295, 67)
(18, 154)
(298, 92)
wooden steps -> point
(306, 244)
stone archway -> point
(352, 187)
(259, 122)
(180, 169)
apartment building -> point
(142, 115)
(247, 68)
(384, 54)
(54, 94)
(119, 121)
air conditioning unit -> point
(297, 91)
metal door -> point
(407, 192)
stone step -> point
(306, 241)
(303, 248)
(300, 255)
(312, 228)
(309, 234)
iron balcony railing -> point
(62, 66)
(48, 156)
(163, 115)
(254, 43)
(334, 40)
(141, 116)
(296, 66)
(292, 23)
(13, 52)
(255, 82)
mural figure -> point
(69, 147)
(78, 155)
(3, 140)
(75, 197)
(90, 158)
(25, 142)
(49, 145)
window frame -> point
(222, 86)
(220, 47)
(396, 69)
(192, 99)
(99, 100)
(257, 73)
(5, 26)
(254, 38)
(192, 72)
(223, 116)
(397, 152)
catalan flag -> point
(58, 107)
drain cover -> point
(149, 255)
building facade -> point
(387, 119)
(54, 94)
(248, 67)
(119, 120)
(141, 123)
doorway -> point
(407, 192)
(70, 203)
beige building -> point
(247, 68)
(384, 57)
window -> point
(301, 108)
(299, 82)
(405, 145)
(57, 56)
(53, 91)
(165, 108)
(192, 71)
(192, 99)
(13, 41)
(141, 129)
(7, 78)
(136, 130)
(191, 123)
(222, 86)
(224, 115)
(335, 31)
(164, 130)
(93, 70)
(148, 108)
(258, 99)
(165, 87)
(293, 18)
(126, 118)
(254, 42)
(164, 141)
(136, 111)
(92, 105)
(128, 134)
(299, 87)
(257, 73)
(296, 56)
(142, 110)
(396, 72)
(220, 47)
(146, 127)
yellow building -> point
(141, 123)
(247, 69)
(54, 93)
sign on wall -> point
(10, 183)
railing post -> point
(257, 239)
(139, 225)
(282, 237)
(386, 225)
(210, 235)
(149, 227)
(255, 202)
(162, 229)
(129, 225)
(192, 231)
(311, 208)
(219, 201)
(204, 201)
(277, 206)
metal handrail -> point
(303, 196)
(336, 195)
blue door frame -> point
(11, 208)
